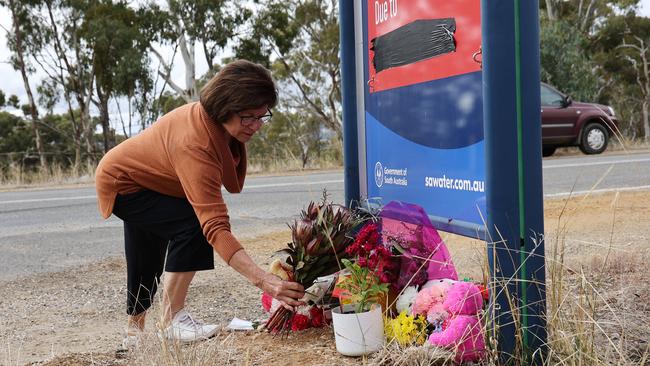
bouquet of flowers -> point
(319, 241)
(367, 278)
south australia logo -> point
(379, 174)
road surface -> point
(51, 229)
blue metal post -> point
(533, 182)
(349, 99)
(511, 90)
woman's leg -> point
(175, 286)
(145, 257)
(135, 323)
(170, 219)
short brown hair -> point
(238, 86)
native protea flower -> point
(319, 239)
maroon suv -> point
(568, 123)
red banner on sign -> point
(385, 16)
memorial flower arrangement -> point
(319, 239)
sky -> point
(11, 82)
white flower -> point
(406, 299)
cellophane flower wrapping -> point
(424, 256)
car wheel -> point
(594, 139)
(548, 150)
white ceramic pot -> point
(358, 334)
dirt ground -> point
(76, 316)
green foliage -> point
(272, 28)
(16, 134)
(48, 94)
(17, 140)
(3, 99)
(212, 23)
(119, 47)
(622, 49)
(13, 101)
(363, 285)
(565, 62)
(588, 50)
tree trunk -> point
(551, 10)
(23, 72)
(76, 168)
(187, 51)
(646, 122)
(103, 119)
(75, 77)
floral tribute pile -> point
(398, 261)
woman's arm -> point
(284, 291)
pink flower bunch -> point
(370, 253)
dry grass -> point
(392, 354)
(290, 165)
(16, 176)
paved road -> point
(47, 230)
(582, 173)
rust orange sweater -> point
(183, 154)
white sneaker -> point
(185, 329)
(130, 343)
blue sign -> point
(424, 115)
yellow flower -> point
(406, 329)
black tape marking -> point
(416, 41)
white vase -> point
(358, 334)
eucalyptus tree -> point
(565, 63)
(585, 14)
(623, 48)
(187, 24)
(300, 39)
(22, 42)
(112, 30)
(67, 62)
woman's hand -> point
(286, 292)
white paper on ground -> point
(240, 324)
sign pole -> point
(511, 89)
(349, 101)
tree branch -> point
(167, 76)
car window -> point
(551, 98)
